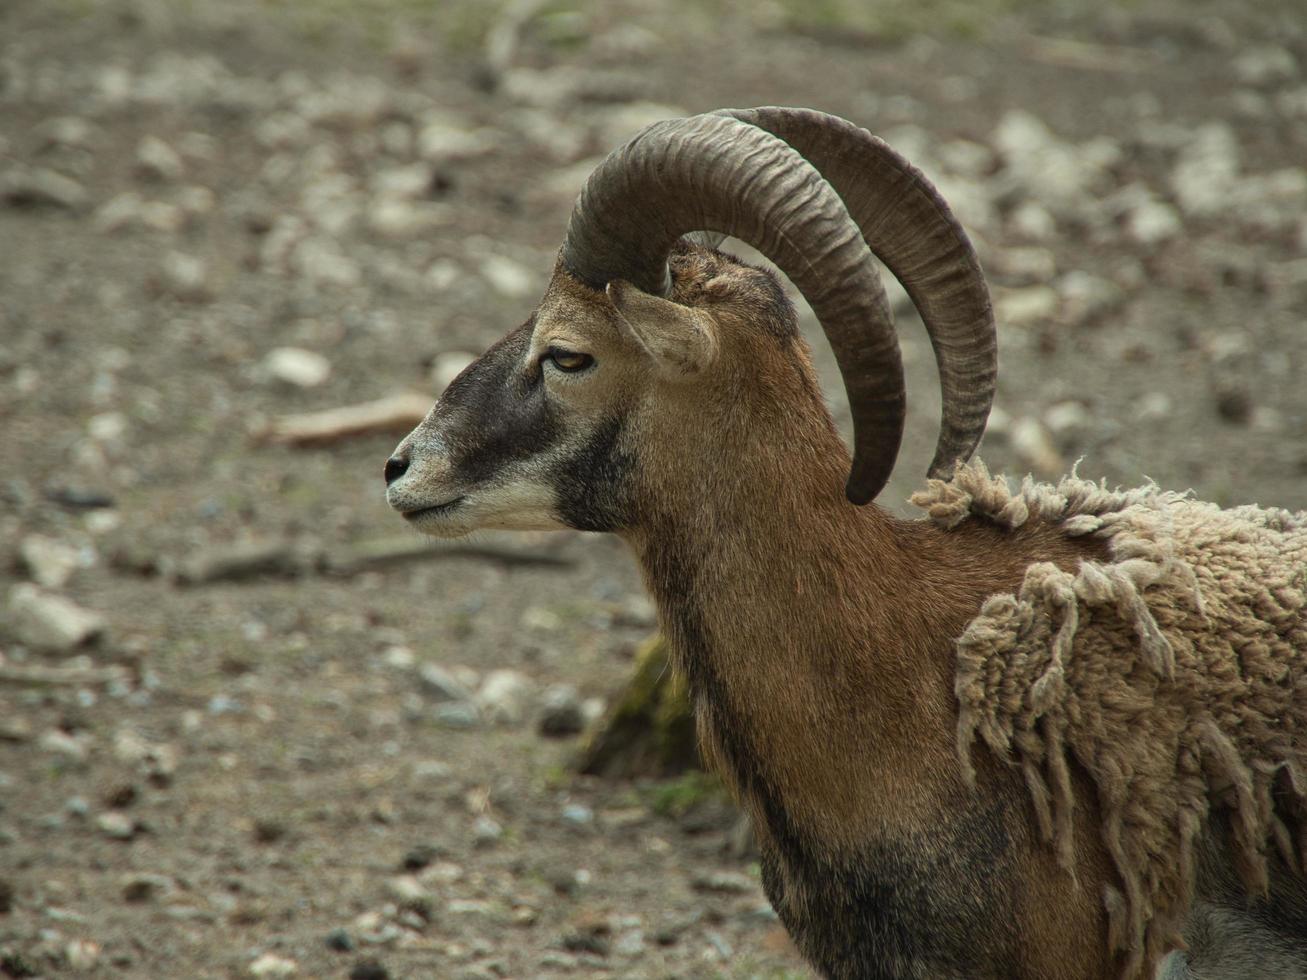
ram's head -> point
(655, 361)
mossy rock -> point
(649, 730)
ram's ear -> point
(681, 340)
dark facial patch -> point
(593, 483)
(497, 410)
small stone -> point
(185, 277)
(448, 365)
(1153, 406)
(406, 890)
(1234, 404)
(340, 941)
(560, 712)
(578, 815)
(140, 887)
(486, 830)
(296, 366)
(82, 954)
(41, 188)
(1026, 307)
(59, 742)
(49, 561)
(117, 825)
(269, 830)
(66, 131)
(1032, 221)
(459, 715)
(1032, 264)
(1151, 222)
(630, 944)
(439, 683)
(421, 856)
(6, 896)
(272, 965)
(1086, 297)
(156, 160)
(48, 621)
(1066, 417)
(505, 697)
(369, 970)
(724, 883)
(1032, 444)
(1266, 65)
(444, 141)
(508, 277)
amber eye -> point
(568, 360)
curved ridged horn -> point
(716, 173)
(910, 228)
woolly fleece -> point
(1175, 674)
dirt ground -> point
(316, 771)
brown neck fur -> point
(810, 629)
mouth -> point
(434, 511)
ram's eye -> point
(568, 360)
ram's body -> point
(820, 639)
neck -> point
(791, 613)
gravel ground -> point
(234, 741)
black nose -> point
(396, 467)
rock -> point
(457, 715)
(282, 131)
(320, 260)
(369, 970)
(561, 713)
(442, 684)
(185, 277)
(410, 182)
(272, 965)
(82, 954)
(1265, 65)
(1066, 418)
(41, 188)
(1207, 170)
(47, 621)
(339, 940)
(486, 830)
(140, 887)
(156, 160)
(507, 277)
(49, 561)
(724, 883)
(6, 896)
(966, 158)
(442, 140)
(1153, 406)
(1031, 442)
(117, 825)
(1234, 404)
(505, 697)
(1025, 307)
(1032, 221)
(1044, 168)
(448, 365)
(71, 132)
(297, 366)
(399, 218)
(59, 742)
(1087, 297)
(443, 274)
(1032, 264)
(1151, 221)
(578, 815)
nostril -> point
(396, 467)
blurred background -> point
(249, 726)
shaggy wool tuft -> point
(1175, 675)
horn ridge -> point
(910, 228)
